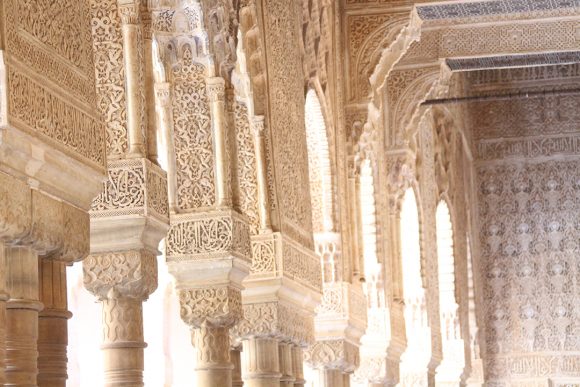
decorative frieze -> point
(206, 235)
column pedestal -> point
(213, 367)
(261, 363)
(53, 325)
(22, 317)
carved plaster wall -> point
(528, 194)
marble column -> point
(236, 359)
(216, 95)
(298, 365)
(286, 369)
(331, 378)
(122, 281)
(53, 324)
(261, 363)
(129, 11)
(22, 317)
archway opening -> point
(451, 368)
(416, 358)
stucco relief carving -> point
(217, 306)
(133, 187)
(333, 354)
(205, 235)
(131, 274)
(193, 135)
(275, 319)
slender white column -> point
(216, 94)
(129, 12)
(235, 357)
(261, 173)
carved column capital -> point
(216, 89)
(333, 354)
(115, 275)
(217, 306)
(258, 125)
(129, 11)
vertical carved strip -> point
(3, 298)
(52, 325)
(22, 316)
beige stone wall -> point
(529, 199)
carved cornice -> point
(130, 274)
(217, 306)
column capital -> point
(258, 125)
(219, 306)
(129, 11)
(216, 89)
(333, 354)
(114, 275)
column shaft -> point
(213, 367)
(216, 92)
(261, 174)
(285, 356)
(331, 378)
(131, 46)
(261, 364)
(123, 342)
(52, 325)
(22, 317)
(298, 366)
(235, 356)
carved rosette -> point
(115, 275)
(333, 354)
(208, 235)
